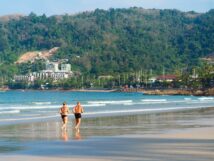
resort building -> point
(152, 80)
(52, 71)
(167, 78)
(52, 66)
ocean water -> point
(21, 106)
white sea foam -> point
(187, 99)
(93, 105)
(29, 107)
(108, 113)
(29, 118)
(142, 110)
(161, 101)
(35, 107)
(129, 104)
(41, 103)
(110, 102)
(153, 103)
(206, 98)
(154, 100)
(178, 101)
(10, 112)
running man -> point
(77, 110)
(64, 111)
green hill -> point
(112, 41)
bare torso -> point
(64, 110)
(78, 109)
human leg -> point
(78, 122)
(64, 122)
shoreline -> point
(207, 92)
(64, 90)
(55, 117)
(184, 135)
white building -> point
(66, 67)
(52, 66)
(152, 80)
(27, 78)
(52, 71)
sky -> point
(58, 7)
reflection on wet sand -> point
(65, 135)
(77, 135)
(144, 138)
(155, 123)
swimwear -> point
(63, 116)
(77, 115)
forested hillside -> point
(112, 41)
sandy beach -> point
(177, 136)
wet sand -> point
(176, 136)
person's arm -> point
(60, 110)
(73, 110)
(82, 110)
(68, 110)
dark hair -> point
(64, 103)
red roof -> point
(165, 77)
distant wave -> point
(19, 107)
(41, 103)
(106, 113)
(10, 112)
(94, 105)
(187, 99)
(29, 118)
(110, 102)
(154, 103)
(154, 100)
(206, 98)
(30, 107)
(143, 110)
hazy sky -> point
(52, 7)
